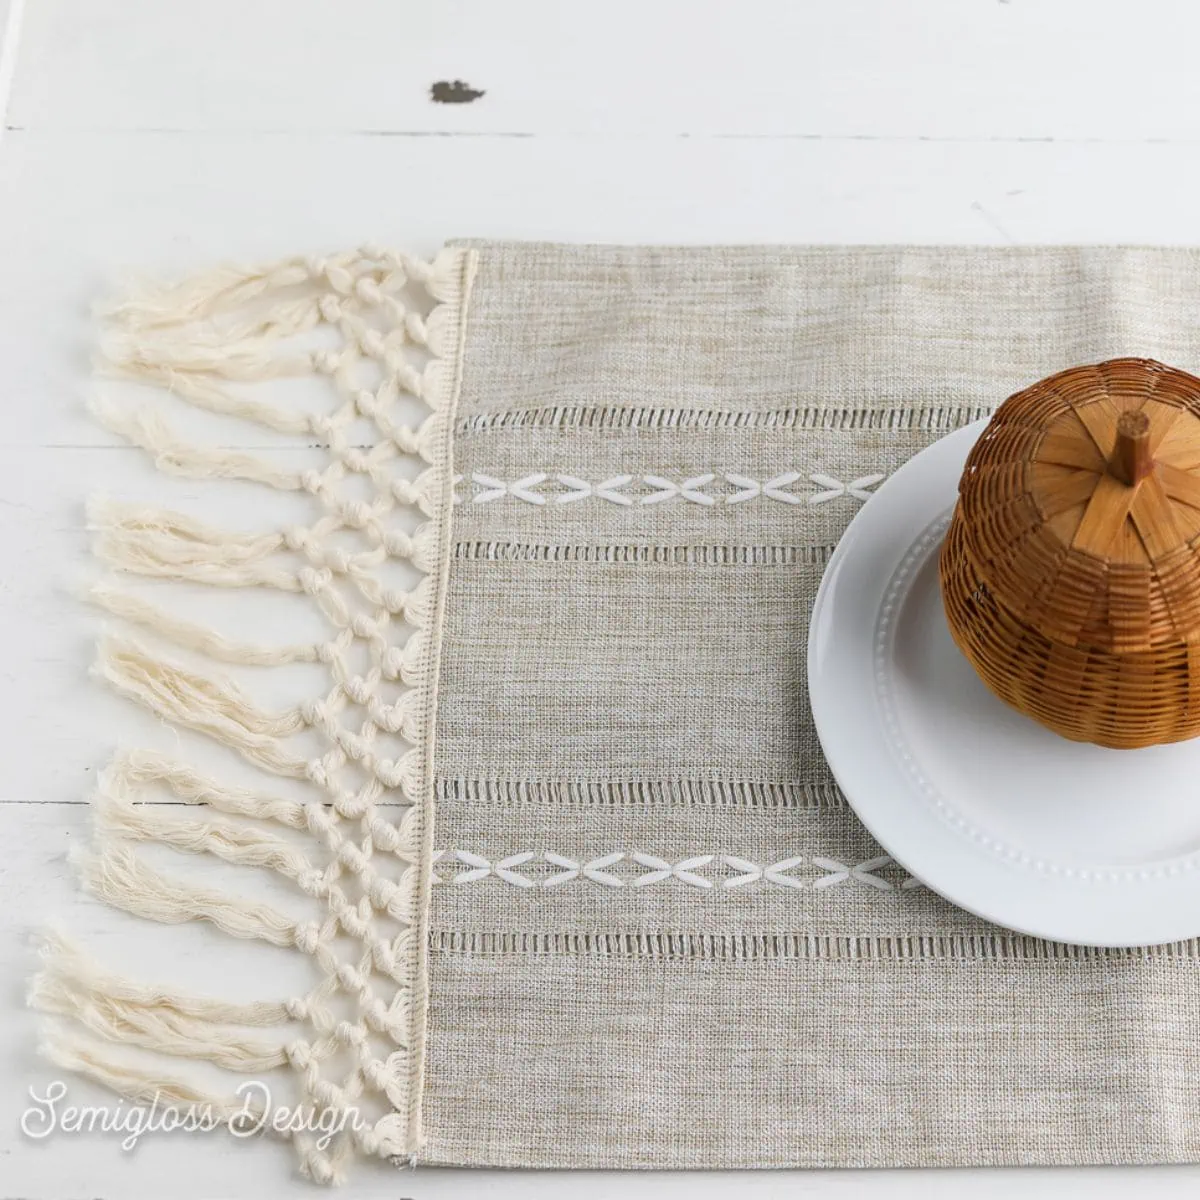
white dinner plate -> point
(1067, 841)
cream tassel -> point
(182, 370)
(85, 1056)
(117, 875)
(215, 707)
(139, 769)
(196, 637)
(63, 959)
(240, 843)
(146, 429)
(153, 1028)
(157, 542)
(148, 304)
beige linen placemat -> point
(585, 892)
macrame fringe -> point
(349, 320)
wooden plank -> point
(856, 69)
(84, 208)
(1068, 449)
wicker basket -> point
(1071, 569)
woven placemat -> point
(629, 920)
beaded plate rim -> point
(1099, 904)
(918, 555)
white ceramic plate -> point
(1066, 841)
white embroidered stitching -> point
(660, 870)
(839, 872)
(859, 488)
(481, 868)
(592, 870)
(520, 488)
(606, 490)
(690, 490)
(752, 872)
(772, 489)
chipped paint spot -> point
(453, 92)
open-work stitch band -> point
(385, 332)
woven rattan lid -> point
(1080, 506)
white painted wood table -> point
(166, 135)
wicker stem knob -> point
(1131, 461)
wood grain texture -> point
(856, 69)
